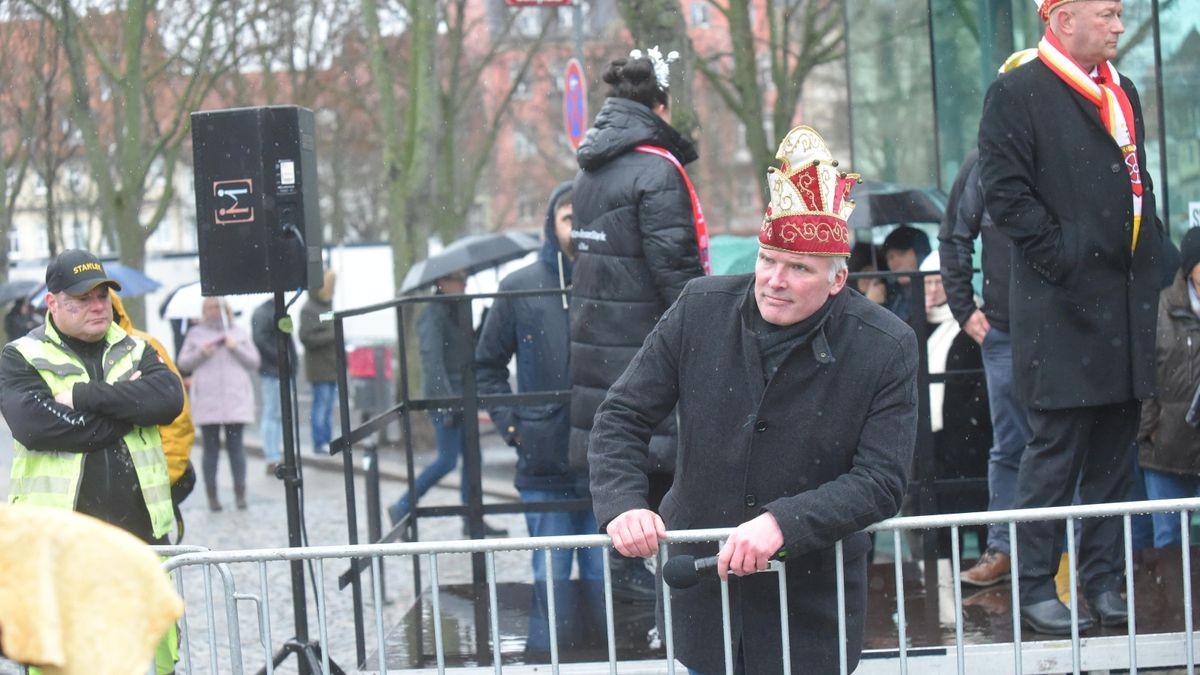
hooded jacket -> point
(535, 328)
(262, 325)
(178, 436)
(222, 386)
(635, 239)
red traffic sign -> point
(574, 103)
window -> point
(520, 84)
(527, 209)
(699, 14)
(523, 147)
(79, 234)
(528, 22)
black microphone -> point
(683, 571)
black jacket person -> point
(797, 404)
(635, 238)
(83, 399)
(1072, 191)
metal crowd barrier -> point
(1076, 655)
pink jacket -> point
(222, 389)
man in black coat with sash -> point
(1064, 171)
(797, 402)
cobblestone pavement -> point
(264, 525)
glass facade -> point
(918, 71)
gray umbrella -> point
(469, 255)
(879, 203)
(17, 289)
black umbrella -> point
(17, 289)
(879, 203)
(469, 255)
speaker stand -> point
(308, 652)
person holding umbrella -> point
(443, 347)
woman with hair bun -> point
(640, 237)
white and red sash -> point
(697, 212)
(1116, 112)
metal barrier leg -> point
(784, 620)
(955, 568)
(185, 647)
(1074, 584)
(608, 619)
(438, 646)
(494, 609)
(839, 568)
(551, 609)
(726, 630)
(1185, 532)
(1132, 625)
(264, 621)
(377, 599)
(901, 628)
(1015, 573)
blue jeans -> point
(448, 431)
(578, 608)
(1010, 431)
(270, 428)
(1141, 525)
(562, 523)
(323, 396)
(1164, 485)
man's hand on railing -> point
(750, 547)
(636, 533)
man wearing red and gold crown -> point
(797, 403)
(1065, 177)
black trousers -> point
(1089, 448)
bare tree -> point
(662, 23)
(753, 73)
(16, 119)
(466, 104)
(135, 74)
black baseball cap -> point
(76, 272)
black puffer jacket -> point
(636, 243)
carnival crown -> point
(810, 198)
(1044, 7)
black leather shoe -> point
(1109, 608)
(1051, 617)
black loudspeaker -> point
(258, 227)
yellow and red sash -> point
(1116, 112)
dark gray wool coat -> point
(824, 446)
(1083, 304)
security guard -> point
(84, 399)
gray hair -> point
(839, 264)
